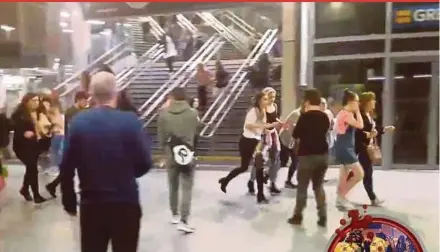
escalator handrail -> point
(91, 65)
(236, 75)
(190, 62)
(264, 49)
(184, 81)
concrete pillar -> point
(289, 62)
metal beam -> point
(396, 55)
(375, 37)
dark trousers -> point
(56, 182)
(169, 61)
(285, 154)
(115, 222)
(30, 179)
(367, 165)
(311, 168)
(246, 147)
(202, 94)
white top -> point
(2, 95)
(251, 117)
(171, 48)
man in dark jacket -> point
(179, 121)
(110, 150)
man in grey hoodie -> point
(287, 141)
(178, 122)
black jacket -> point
(361, 140)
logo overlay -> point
(374, 233)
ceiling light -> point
(67, 31)
(95, 22)
(64, 14)
(106, 32)
(7, 28)
(63, 24)
(127, 25)
(336, 5)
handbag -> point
(374, 152)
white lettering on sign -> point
(426, 15)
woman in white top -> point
(254, 125)
(170, 52)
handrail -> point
(245, 26)
(155, 25)
(223, 30)
(184, 80)
(236, 74)
(96, 61)
(108, 61)
(178, 72)
(154, 57)
(266, 47)
(191, 27)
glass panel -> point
(337, 19)
(415, 44)
(411, 103)
(347, 48)
(415, 17)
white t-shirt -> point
(251, 117)
(171, 48)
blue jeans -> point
(56, 149)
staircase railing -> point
(186, 79)
(190, 64)
(264, 45)
(224, 31)
(241, 23)
(187, 24)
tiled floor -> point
(231, 222)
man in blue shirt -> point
(109, 150)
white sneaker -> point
(343, 203)
(377, 202)
(184, 227)
(175, 220)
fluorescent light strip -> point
(95, 22)
(399, 77)
(67, 31)
(7, 28)
(64, 14)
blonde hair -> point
(269, 90)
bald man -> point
(109, 149)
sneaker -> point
(322, 221)
(377, 202)
(251, 188)
(175, 220)
(290, 185)
(343, 203)
(274, 190)
(184, 227)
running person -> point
(344, 147)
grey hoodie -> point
(178, 119)
(286, 133)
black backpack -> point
(5, 127)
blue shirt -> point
(109, 149)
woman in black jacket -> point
(364, 137)
(221, 78)
(26, 144)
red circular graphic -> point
(359, 231)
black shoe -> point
(265, 178)
(251, 188)
(295, 220)
(27, 196)
(274, 189)
(322, 222)
(52, 190)
(261, 199)
(223, 183)
(289, 185)
(38, 199)
(326, 180)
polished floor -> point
(231, 222)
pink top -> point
(341, 124)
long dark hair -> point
(263, 62)
(21, 110)
(124, 102)
(261, 113)
(348, 97)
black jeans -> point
(30, 161)
(115, 222)
(202, 94)
(169, 61)
(285, 154)
(367, 165)
(246, 147)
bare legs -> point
(347, 181)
